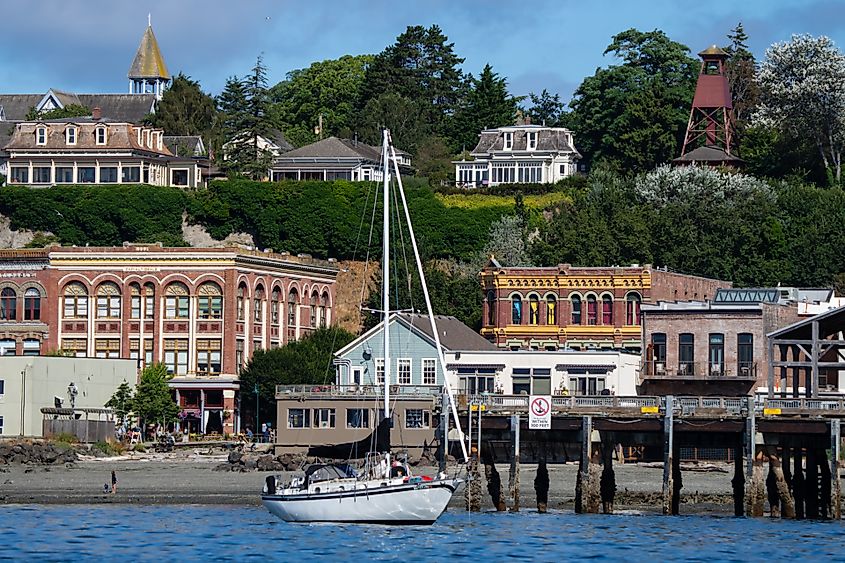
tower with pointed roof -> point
(148, 73)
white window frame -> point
(41, 136)
(433, 363)
(365, 418)
(306, 419)
(324, 417)
(532, 140)
(508, 141)
(425, 419)
(402, 363)
(97, 133)
(71, 135)
(357, 376)
(379, 363)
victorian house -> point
(334, 159)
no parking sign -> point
(539, 412)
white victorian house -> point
(519, 154)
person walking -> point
(113, 482)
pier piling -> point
(738, 481)
(607, 487)
(587, 493)
(798, 483)
(513, 478)
(835, 483)
(541, 486)
(472, 491)
(494, 482)
(668, 457)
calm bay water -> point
(189, 533)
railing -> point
(654, 369)
(802, 405)
(356, 390)
(562, 403)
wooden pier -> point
(797, 438)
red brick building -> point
(202, 312)
(578, 307)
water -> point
(191, 533)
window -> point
(417, 418)
(491, 308)
(658, 347)
(108, 301)
(241, 302)
(533, 310)
(42, 175)
(64, 175)
(379, 371)
(607, 310)
(70, 135)
(356, 375)
(209, 301)
(293, 300)
(8, 347)
(2, 387)
(521, 381)
(208, 357)
(32, 304)
(592, 313)
(75, 301)
(532, 140)
(135, 352)
(686, 354)
(403, 369)
(745, 354)
(299, 418)
(31, 347)
(100, 135)
(149, 301)
(131, 174)
(429, 371)
(551, 310)
(275, 306)
(257, 345)
(357, 418)
(258, 304)
(41, 136)
(77, 347)
(8, 304)
(108, 175)
(716, 354)
(508, 142)
(179, 177)
(176, 301)
(134, 301)
(239, 355)
(20, 175)
(1, 424)
(584, 383)
(86, 174)
(576, 309)
(107, 348)
(324, 307)
(324, 418)
(176, 356)
(541, 381)
(516, 310)
(632, 309)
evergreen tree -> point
(742, 77)
(545, 108)
(184, 109)
(488, 105)
(121, 402)
(153, 402)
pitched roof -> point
(549, 139)
(454, 335)
(16, 106)
(278, 138)
(185, 145)
(333, 147)
(148, 62)
(131, 108)
(709, 154)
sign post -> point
(540, 412)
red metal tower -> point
(710, 130)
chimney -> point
(97, 114)
(528, 120)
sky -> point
(86, 46)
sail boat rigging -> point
(386, 492)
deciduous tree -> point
(152, 401)
(184, 109)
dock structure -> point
(785, 450)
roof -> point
(148, 62)
(708, 154)
(185, 145)
(454, 335)
(16, 106)
(549, 139)
(131, 108)
(120, 136)
(278, 138)
(750, 295)
(333, 147)
(713, 51)
(830, 322)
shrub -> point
(109, 448)
(66, 438)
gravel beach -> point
(190, 478)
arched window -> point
(8, 304)
(209, 301)
(75, 301)
(275, 305)
(607, 310)
(176, 301)
(491, 308)
(576, 309)
(241, 302)
(134, 301)
(293, 302)
(516, 310)
(108, 301)
(551, 310)
(592, 310)
(149, 300)
(32, 304)
(258, 304)
(324, 305)
(314, 299)
(632, 308)
(533, 310)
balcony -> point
(341, 391)
(654, 369)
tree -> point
(304, 361)
(487, 105)
(635, 113)
(121, 402)
(153, 402)
(801, 93)
(434, 160)
(420, 67)
(184, 109)
(331, 89)
(742, 76)
(545, 109)
(70, 110)
(405, 118)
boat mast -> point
(424, 285)
(385, 272)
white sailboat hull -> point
(420, 503)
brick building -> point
(200, 311)
(578, 307)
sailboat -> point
(385, 491)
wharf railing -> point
(353, 391)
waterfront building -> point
(719, 346)
(334, 159)
(519, 154)
(578, 308)
(200, 311)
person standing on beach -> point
(113, 482)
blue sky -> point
(87, 45)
